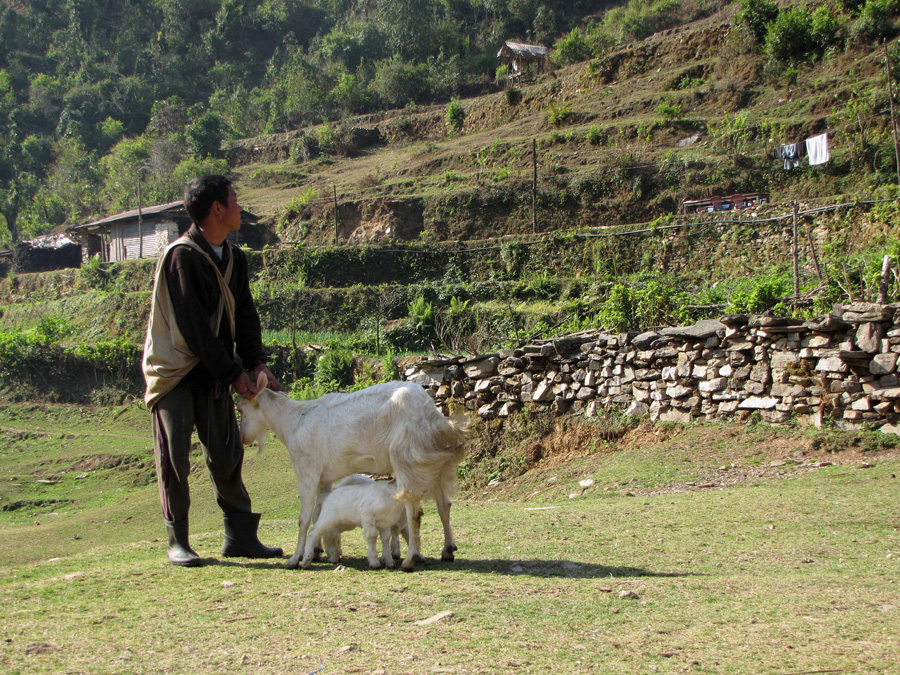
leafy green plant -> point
(558, 114)
(334, 365)
(594, 135)
(455, 117)
(53, 328)
(422, 314)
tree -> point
(205, 135)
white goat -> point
(400, 528)
(399, 427)
(375, 506)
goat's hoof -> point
(447, 556)
(418, 557)
(291, 564)
(405, 568)
(376, 566)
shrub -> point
(513, 96)
(422, 314)
(594, 135)
(572, 48)
(335, 365)
(53, 328)
(454, 117)
(789, 37)
(875, 21)
(669, 111)
(558, 114)
(617, 312)
(756, 15)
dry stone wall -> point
(840, 367)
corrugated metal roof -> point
(522, 48)
(126, 215)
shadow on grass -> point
(528, 568)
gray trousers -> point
(175, 416)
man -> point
(201, 314)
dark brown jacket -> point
(195, 299)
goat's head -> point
(253, 421)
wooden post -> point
(795, 255)
(334, 188)
(140, 224)
(883, 284)
(887, 63)
(534, 186)
(815, 257)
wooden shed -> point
(143, 233)
(520, 58)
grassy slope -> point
(791, 571)
(729, 77)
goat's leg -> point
(386, 541)
(443, 507)
(324, 491)
(307, 503)
(370, 532)
(413, 551)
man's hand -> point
(244, 387)
(273, 383)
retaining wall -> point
(840, 367)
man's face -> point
(231, 214)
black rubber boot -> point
(179, 550)
(241, 540)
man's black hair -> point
(202, 192)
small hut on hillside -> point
(520, 58)
(145, 233)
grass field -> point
(791, 569)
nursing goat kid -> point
(386, 428)
(375, 506)
(400, 528)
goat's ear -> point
(261, 380)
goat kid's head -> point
(253, 422)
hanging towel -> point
(817, 149)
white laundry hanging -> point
(817, 149)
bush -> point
(756, 15)
(558, 114)
(875, 21)
(335, 366)
(454, 117)
(789, 37)
(594, 135)
(513, 96)
(572, 48)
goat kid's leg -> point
(395, 541)
(370, 532)
(309, 548)
(443, 507)
(332, 543)
(386, 541)
(413, 551)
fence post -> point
(534, 186)
(795, 255)
(334, 188)
(883, 284)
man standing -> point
(203, 335)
